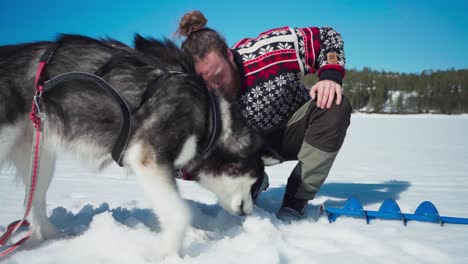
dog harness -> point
(125, 131)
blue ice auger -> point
(389, 210)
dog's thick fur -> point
(168, 132)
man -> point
(264, 76)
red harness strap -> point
(37, 117)
(187, 176)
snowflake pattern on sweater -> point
(331, 41)
(274, 64)
(268, 104)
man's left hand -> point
(325, 92)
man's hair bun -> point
(191, 22)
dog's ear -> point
(141, 43)
(271, 157)
(152, 46)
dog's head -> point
(233, 169)
(232, 179)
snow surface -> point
(407, 158)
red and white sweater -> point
(273, 64)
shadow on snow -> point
(212, 218)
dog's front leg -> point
(159, 185)
(20, 157)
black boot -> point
(292, 208)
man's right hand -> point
(325, 92)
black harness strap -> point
(216, 122)
(126, 128)
(110, 64)
(49, 52)
(151, 89)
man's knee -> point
(340, 115)
(327, 130)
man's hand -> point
(325, 92)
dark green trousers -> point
(313, 136)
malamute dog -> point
(172, 126)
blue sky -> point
(403, 36)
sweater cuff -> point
(332, 75)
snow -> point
(408, 158)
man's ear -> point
(230, 56)
(271, 157)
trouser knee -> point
(327, 127)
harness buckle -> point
(38, 106)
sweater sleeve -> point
(323, 52)
(331, 57)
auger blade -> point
(352, 208)
(389, 210)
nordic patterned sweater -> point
(272, 66)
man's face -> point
(219, 73)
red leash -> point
(37, 117)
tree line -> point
(371, 91)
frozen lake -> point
(408, 158)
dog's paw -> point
(170, 245)
(167, 251)
(45, 231)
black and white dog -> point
(171, 127)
